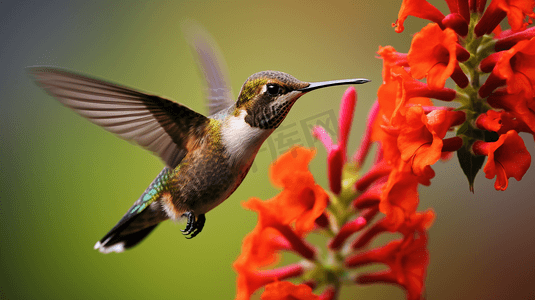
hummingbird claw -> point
(193, 227)
(189, 225)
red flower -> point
(507, 39)
(399, 198)
(300, 203)
(398, 91)
(507, 157)
(249, 280)
(515, 10)
(417, 222)
(520, 105)
(514, 67)
(284, 290)
(517, 67)
(301, 200)
(433, 55)
(459, 7)
(418, 8)
(501, 122)
(420, 138)
(407, 259)
(391, 58)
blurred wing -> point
(159, 125)
(212, 65)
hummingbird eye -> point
(273, 89)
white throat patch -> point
(241, 140)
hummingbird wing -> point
(157, 124)
(211, 63)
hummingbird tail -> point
(131, 229)
(141, 218)
(116, 242)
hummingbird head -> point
(268, 96)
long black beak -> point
(319, 85)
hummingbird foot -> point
(193, 227)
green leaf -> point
(471, 164)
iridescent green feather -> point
(153, 192)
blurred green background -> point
(66, 182)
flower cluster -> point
(411, 134)
(349, 207)
(466, 46)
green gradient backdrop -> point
(66, 182)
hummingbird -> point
(206, 157)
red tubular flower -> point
(508, 39)
(493, 82)
(337, 153)
(347, 109)
(449, 145)
(395, 95)
(433, 54)
(419, 222)
(417, 8)
(500, 122)
(346, 231)
(517, 67)
(330, 293)
(322, 221)
(520, 105)
(420, 139)
(408, 260)
(366, 237)
(477, 6)
(366, 141)
(514, 67)
(460, 7)
(391, 58)
(462, 54)
(300, 203)
(515, 10)
(456, 22)
(488, 64)
(259, 249)
(284, 290)
(377, 171)
(412, 88)
(400, 197)
(335, 159)
(507, 157)
(301, 199)
(370, 198)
